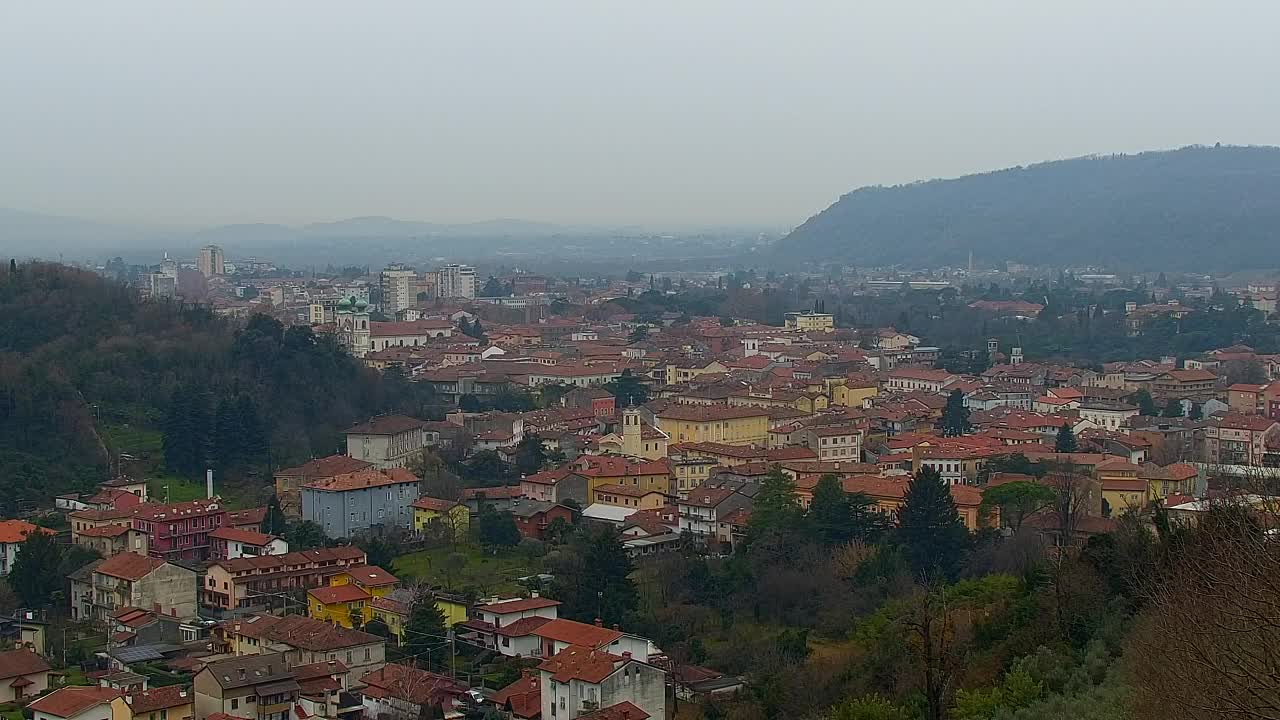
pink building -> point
(180, 531)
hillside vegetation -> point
(1197, 208)
(80, 354)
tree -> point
(425, 631)
(929, 527)
(493, 287)
(1249, 372)
(593, 578)
(378, 550)
(454, 564)
(35, 570)
(1172, 409)
(274, 522)
(1196, 412)
(868, 707)
(955, 416)
(775, 510)
(836, 517)
(627, 390)
(1072, 491)
(530, 454)
(1066, 441)
(186, 431)
(496, 529)
(639, 334)
(1146, 404)
(469, 403)
(305, 535)
(1016, 501)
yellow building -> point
(452, 515)
(82, 701)
(637, 439)
(628, 497)
(806, 321)
(713, 423)
(346, 598)
(394, 609)
(853, 394)
(599, 470)
(686, 372)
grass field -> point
(147, 447)
(482, 572)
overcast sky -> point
(652, 111)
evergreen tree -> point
(594, 580)
(226, 436)
(1146, 404)
(425, 639)
(836, 517)
(628, 390)
(1196, 412)
(531, 455)
(496, 529)
(35, 570)
(1173, 408)
(1066, 442)
(477, 330)
(955, 416)
(775, 510)
(254, 437)
(274, 522)
(930, 530)
(187, 431)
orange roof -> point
(326, 467)
(247, 537)
(109, 531)
(160, 697)
(521, 605)
(362, 479)
(579, 663)
(14, 663)
(71, 701)
(523, 697)
(435, 504)
(15, 531)
(338, 594)
(624, 710)
(371, 576)
(572, 632)
(128, 566)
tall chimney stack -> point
(208, 483)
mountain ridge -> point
(1208, 208)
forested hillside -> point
(1196, 208)
(80, 355)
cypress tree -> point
(955, 416)
(930, 530)
(1066, 442)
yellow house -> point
(347, 596)
(394, 609)
(647, 475)
(853, 394)
(452, 515)
(171, 702)
(637, 439)
(686, 372)
(628, 496)
(1122, 496)
(744, 425)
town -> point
(538, 536)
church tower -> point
(360, 343)
(631, 432)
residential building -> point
(457, 281)
(833, 442)
(23, 674)
(348, 504)
(258, 687)
(344, 601)
(302, 641)
(256, 581)
(561, 634)
(180, 531)
(289, 481)
(1242, 440)
(110, 539)
(558, 485)
(705, 508)
(81, 702)
(12, 534)
(386, 441)
(745, 425)
(532, 516)
(810, 321)
(450, 516)
(627, 496)
(399, 288)
(211, 261)
(908, 379)
(131, 580)
(171, 702)
(401, 691)
(411, 333)
(521, 699)
(1249, 399)
(1194, 385)
(230, 543)
(1107, 415)
(581, 681)
(595, 399)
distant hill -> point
(1197, 208)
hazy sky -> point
(598, 111)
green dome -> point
(361, 304)
(344, 303)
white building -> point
(399, 288)
(211, 261)
(457, 281)
(579, 681)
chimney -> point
(208, 483)
(615, 627)
(599, 622)
(626, 655)
(241, 673)
(533, 594)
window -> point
(348, 657)
(366, 652)
(235, 704)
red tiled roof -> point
(621, 711)
(128, 566)
(15, 531)
(411, 684)
(71, 701)
(246, 537)
(326, 467)
(492, 493)
(522, 697)
(20, 662)
(371, 576)
(572, 632)
(385, 425)
(159, 698)
(363, 479)
(334, 594)
(413, 327)
(108, 531)
(580, 663)
(435, 504)
(522, 627)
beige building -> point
(81, 702)
(211, 261)
(131, 580)
(399, 289)
(23, 674)
(807, 321)
(258, 687)
(302, 640)
(457, 281)
(386, 441)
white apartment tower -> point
(457, 281)
(211, 261)
(399, 288)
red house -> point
(180, 531)
(533, 516)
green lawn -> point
(484, 573)
(147, 446)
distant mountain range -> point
(1196, 208)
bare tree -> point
(1074, 497)
(938, 633)
(1206, 644)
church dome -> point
(361, 304)
(344, 304)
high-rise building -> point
(398, 288)
(457, 281)
(211, 261)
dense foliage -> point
(79, 353)
(1205, 208)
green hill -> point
(1197, 208)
